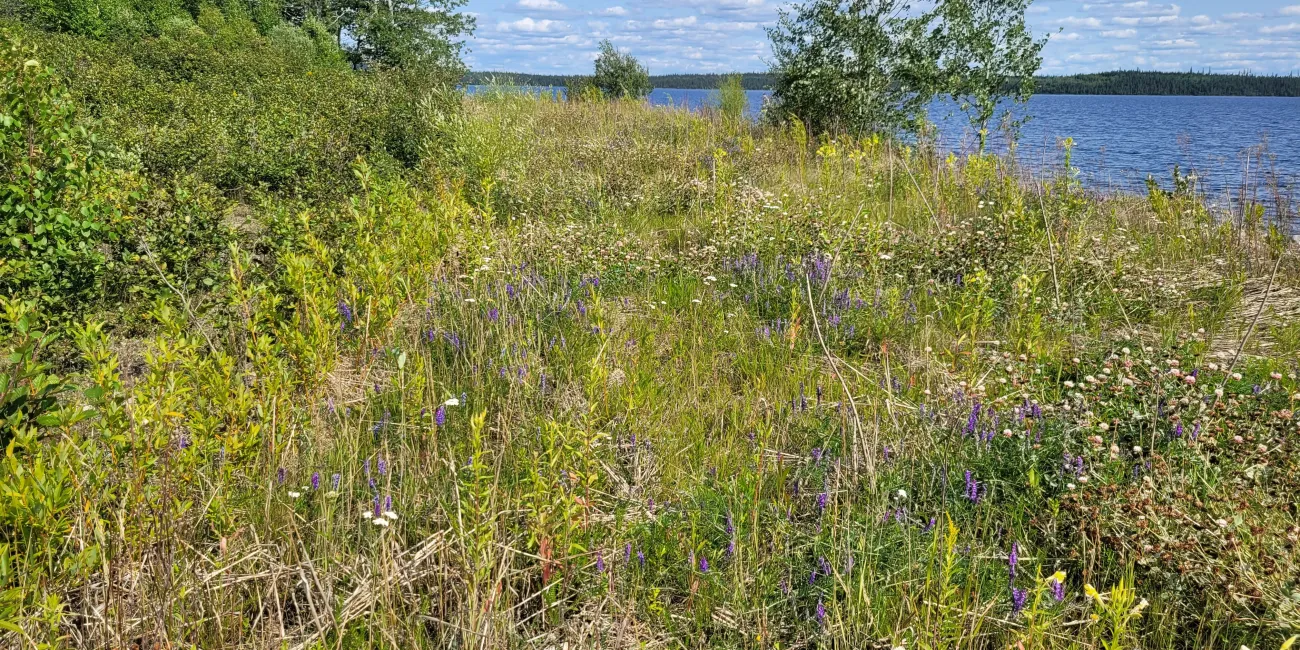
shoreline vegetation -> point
(1120, 82)
(303, 347)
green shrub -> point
(732, 99)
(620, 75)
(59, 198)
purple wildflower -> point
(821, 502)
(704, 564)
(600, 562)
(1018, 597)
(821, 613)
(972, 488)
(383, 467)
(1058, 589)
(1013, 559)
(440, 415)
(315, 480)
(640, 557)
(279, 475)
(973, 419)
(335, 480)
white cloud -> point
(1073, 21)
(545, 5)
(1280, 29)
(528, 25)
(1120, 33)
(1292, 10)
(1063, 36)
(1241, 15)
(1176, 43)
(614, 11)
(674, 23)
(1201, 20)
(1092, 58)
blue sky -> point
(669, 36)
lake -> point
(1120, 140)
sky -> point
(678, 36)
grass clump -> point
(602, 374)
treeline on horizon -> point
(1121, 82)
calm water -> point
(1120, 140)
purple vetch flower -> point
(821, 502)
(1058, 589)
(493, 314)
(377, 511)
(440, 415)
(279, 475)
(821, 612)
(1018, 597)
(731, 529)
(388, 503)
(1178, 430)
(640, 557)
(627, 553)
(600, 562)
(972, 488)
(510, 290)
(345, 312)
(1196, 430)
(334, 481)
(973, 420)
(1013, 559)
(315, 480)
(382, 466)
(704, 564)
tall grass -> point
(605, 375)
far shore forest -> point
(1121, 82)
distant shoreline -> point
(1155, 84)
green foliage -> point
(58, 204)
(415, 35)
(987, 50)
(856, 66)
(732, 100)
(29, 392)
(583, 89)
(620, 75)
(868, 66)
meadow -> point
(596, 374)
